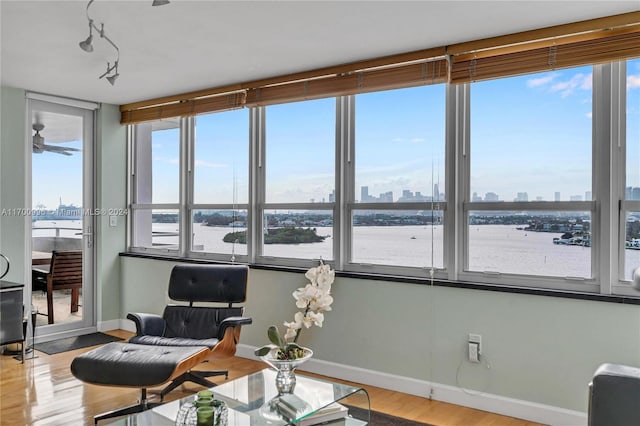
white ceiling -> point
(191, 45)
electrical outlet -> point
(476, 338)
(474, 356)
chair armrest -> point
(148, 324)
(232, 322)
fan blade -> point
(59, 149)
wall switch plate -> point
(113, 221)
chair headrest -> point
(209, 283)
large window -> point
(155, 195)
(632, 187)
(397, 216)
(220, 165)
(514, 180)
(299, 185)
(530, 175)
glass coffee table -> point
(253, 400)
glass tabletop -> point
(253, 400)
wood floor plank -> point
(43, 392)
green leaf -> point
(263, 351)
(274, 336)
(291, 346)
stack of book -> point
(292, 407)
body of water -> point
(492, 248)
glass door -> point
(62, 220)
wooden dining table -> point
(40, 258)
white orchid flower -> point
(322, 302)
(325, 279)
(312, 275)
(313, 318)
(304, 295)
(290, 334)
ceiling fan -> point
(39, 146)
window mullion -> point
(256, 182)
(186, 184)
(604, 251)
(459, 163)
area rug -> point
(72, 343)
(381, 419)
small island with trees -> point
(287, 235)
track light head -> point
(160, 2)
(87, 45)
(112, 78)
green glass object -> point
(204, 402)
(205, 416)
(205, 394)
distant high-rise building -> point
(364, 194)
(575, 198)
(556, 196)
(476, 198)
(587, 196)
(539, 198)
(491, 196)
(386, 197)
(635, 194)
(332, 196)
(522, 196)
(436, 192)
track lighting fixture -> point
(87, 44)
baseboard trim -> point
(127, 325)
(109, 325)
(521, 409)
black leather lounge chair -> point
(217, 328)
(167, 347)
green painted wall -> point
(111, 184)
(540, 349)
(12, 179)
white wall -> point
(540, 349)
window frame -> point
(463, 143)
(133, 166)
(348, 152)
(608, 206)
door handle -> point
(84, 234)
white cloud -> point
(540, 81)
(577, 82)
(589, 115)
(210, 165)
(412, 140)
(633, 81)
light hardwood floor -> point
(44, 392)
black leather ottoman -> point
(141, 366)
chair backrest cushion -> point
(209, 283)
(200, 322)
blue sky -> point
(530, 133)
(57, 176)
